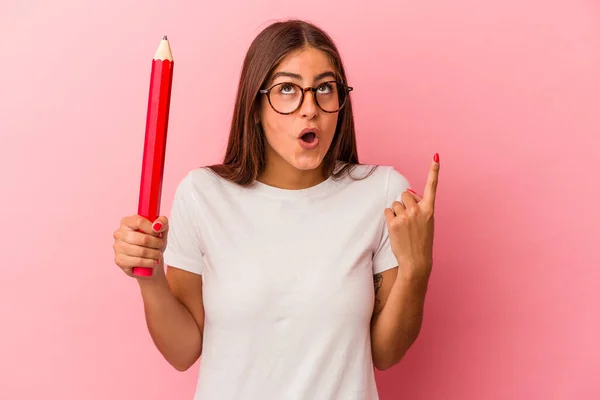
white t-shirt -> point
(287, 282)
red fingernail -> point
(436, 157)
(157, 226)
(412, 191)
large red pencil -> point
(157, 120)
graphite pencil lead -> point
(165, 37)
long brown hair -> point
(245, 157)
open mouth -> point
(308, 137)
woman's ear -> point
(257, 117)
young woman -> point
(292, 270)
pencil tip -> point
(165, 37)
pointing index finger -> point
(432, 181)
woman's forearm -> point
(398, 324)
(172, 327)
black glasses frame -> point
(347, 89)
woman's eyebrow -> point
(327, 74)
(286, 74)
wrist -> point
(156, 283)
(412, 277)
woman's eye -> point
(325, 88)
(287, 88)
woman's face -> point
(286, 137)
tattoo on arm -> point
(377, 281)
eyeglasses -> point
(287, 97)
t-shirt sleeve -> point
(183, 249)
(384, 258)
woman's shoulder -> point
(204, 179)
(386, 176)
(203, 174)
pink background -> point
(506, 91)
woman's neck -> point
(282, 175)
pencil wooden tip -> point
(163, 52)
